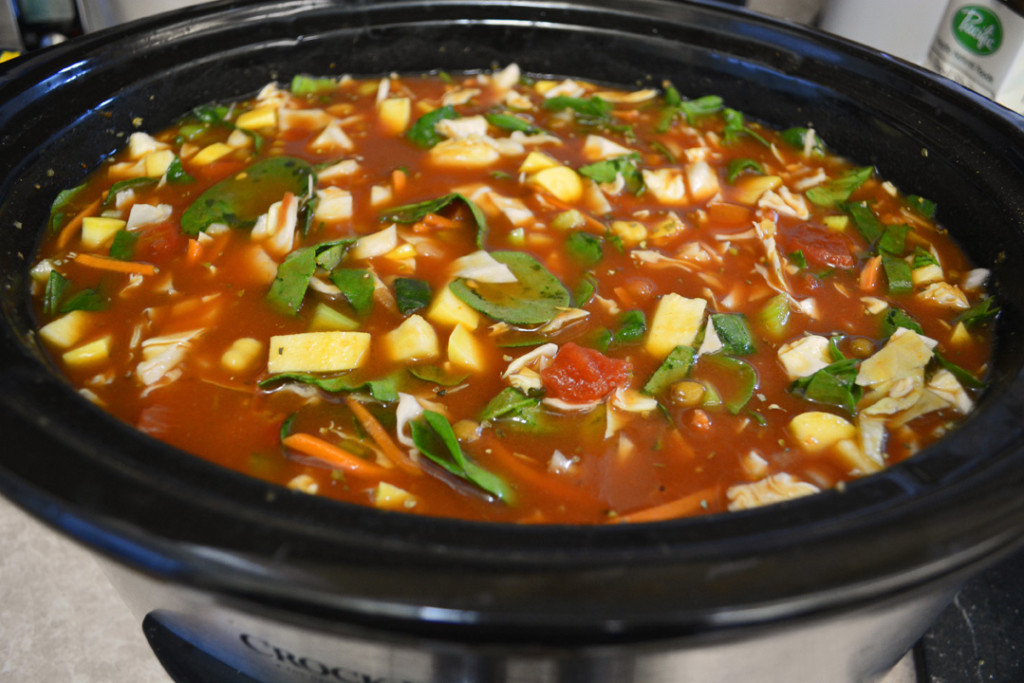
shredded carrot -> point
(381, 437)
(68, 231)
(195, 250)
(700, 420)
(419, 227)
(540, 480)
(679, 507)
(336, 457)
(398, 179)
(870, 274)
(436, 220)
(115, 265)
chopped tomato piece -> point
(582, 375)
(160, 243)
(821, 247)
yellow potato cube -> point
(158, 162)
(98, 230)
(67, 330)
(750, 188)
(394, 114)
(561, 181)
(854, 458)
(632, 233)
(390, 497)
(537, 161)
(326, 318)
(676, 322)
(837, 223)
(448, 309)
(463, 153)
(242, 354)
(333, 351)
(210, 153)
(960, 336)
(816, 430)
(465, 351)
(88, 354)
(413, 340)
(263, 117)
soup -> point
(502, 298)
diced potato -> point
(211, 153)
(394, 114)
(332, 351)
(390, 497)
(927, 275)
(89, 354)
(67, 330)
(413, 340)
(326, 318)
(304, 483)
(632, 233)
(332, 139)
(837, 223)
(254, 119)
(380, 194)
(804, 356)
(904, 355)
(158, 162)
(448, 309)
(816, 430)
(855, 459)
(750, 188)
(375, 244)
(945, 294)
(463, 153)
(242, 354)
(666, 185)
(465, 351)
(98, 230)
(335, 204)
(561, 181)
(537, 161)
(596, 148)
(960, 336)
(702, 181)
(676, 322)
(140, 144)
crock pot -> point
(280, 585)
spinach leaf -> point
(979, 313)
(308, 85)
(511, 122)
(897, 273)
(735, 127)
(797, 258)
(738, 166)
(865, 219)
(584, 249)
(632, 327)
(962, 375)
(606, 171)
(536, 297)
(56, 286)
(675, 367)
(411, 294)
(422, 132)
(411, 213)
(588, 108)
(128, 184)
(176, 174)
(797, 137)
(833, 385)
(691, 110)
(384, 390)
(509, 403)
(837, 190)
(896, 318)
(437, 375)
(435, 439)
(60, 205)
(585, 290)
(741, 377)
(123, 246)
(923, 258)
(84, 300)
(289, 286)
(733, 332)
(925, 207)
(239, 200)
(894, 239)
(356, 285)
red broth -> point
(498, 298)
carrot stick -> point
(679, 507)
(381, 437)
(195, 250)
(336, 457)
(69, 230)
(398, 178)
(539, 480)
(700, 420)
(870, 274)
(115, 265)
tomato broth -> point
(504, 298)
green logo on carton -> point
(978, 29)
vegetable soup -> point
(504, 298)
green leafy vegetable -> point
(894, 239)
(536, 297)
(308, 85)
(384, 389)
(979, 313)
(735, 128)
(676, 366)
(56, 286)
(923, 258)
(585, 290)
(437, 375)
(130, 183)
(510, 403)
(925, 207)
(839, 189)
(435, 439)
(632, 328)
(84, 300)
(289, 286)
(607, 170)
(733, 332)
(896, 318)
(356, 285)
(411, 294)
(54, 300)
(740, 377)
(590, 109)
(584, 248)
(422, 132)
(797, 137)
(239, 200)
(123, 246)
(176, 174)
(865, 219)
(833, 385)
(897, 272)
(691, 110)
(511, 122)
(738, 166)
(797, 258)
(774, 317)
(411, 213)
(963, 376)
(60, 205)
